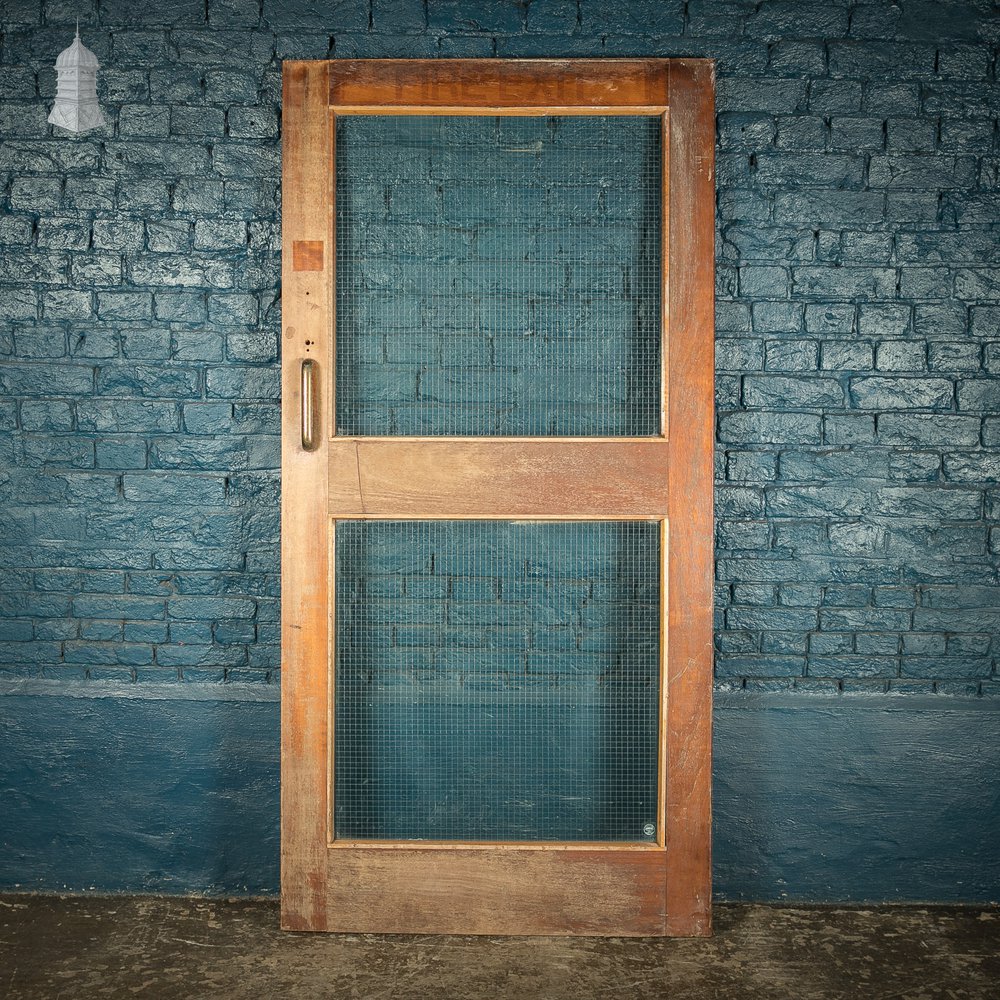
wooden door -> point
(339, 487)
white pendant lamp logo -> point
(76, 89)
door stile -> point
(307, 308)
(690, 570)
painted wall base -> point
(160, 794)
(821, 799)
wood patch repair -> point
(307, 255)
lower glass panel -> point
(496, 680)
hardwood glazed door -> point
(497, 496)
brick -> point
(198, 453)
(831, 97)
(861, 247)
(120, 454)
(972, 467)
(220, 234)
(17, 82)
(928, 430)
(851, 666)
(745, 130)
(801, 132)
(755, 95)
(911, 135)
(144, 121)
(856, 133)
(147, 380)
(770, 428)
(848, 428)
(127, 415)
(843, 282)
(19, 303)
(892, 60)
(252, 123)
(35, 268)
(40, 342)
(764, 665)
(146, 12)
(117, 234)
(947, 247)
(243, 160)
(143, 194)
(978, 395)
(46, 379)
(642, 18)
(184, 271)
(177, 488)
(763, 282)
(925, 283)
(954, 357)
(796, 392)
(197, 120)
(198, 196)
(67, 303)
(837, 170)
(834, 318)
(959, 98)
(794, 58)
(128, 306)
(755, 242)
(901, 356)
(914, 172)
(63, 234)
(793, 355)
(243, 382)
(176, 157)
(168, 235)
(46, 415)
(751, 466)
(853, 357)
(777, 317)
(829, 207)
(965, 135)
(233, 309)
(145, 344)
(985, 322)
(231, 87)
(180, 307)
(978, 283)
(889, 393)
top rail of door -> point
(499, 86)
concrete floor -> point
(57, 947)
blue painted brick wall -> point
(858, 326)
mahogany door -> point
(497, 496)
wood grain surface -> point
(415, 891)
(510, 889)
(477, 477)
(307, 319)
(690, 566)
(498, 86)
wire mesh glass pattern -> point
(498, 276)
(496, 680)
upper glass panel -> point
(498, 276)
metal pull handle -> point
(308, 408)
